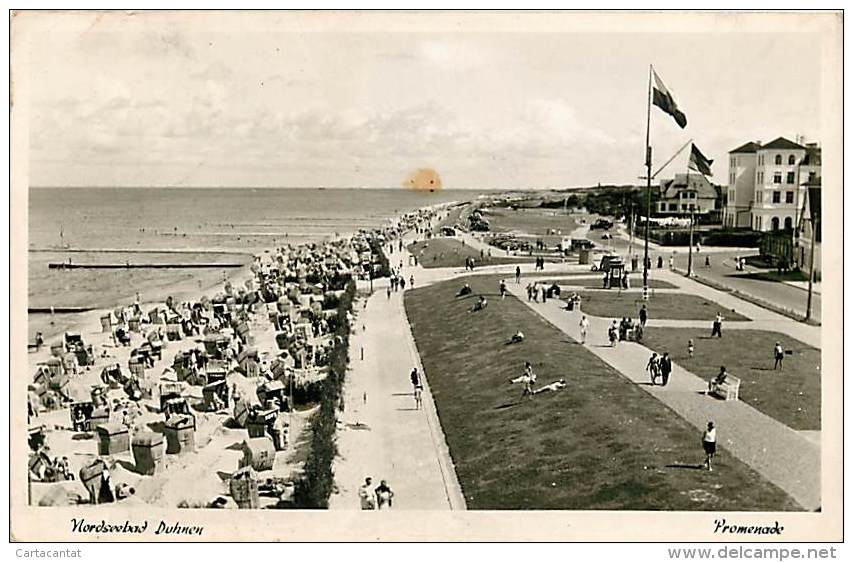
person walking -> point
(665, 366)
(653, 367)
(388, 291)
(384, 495)
(503, 289)
(584, 328)
(778, 355)
(411, 281)
(709, 444)
(690, 349)
(707, 261)
(717, 327)
(644, 316)
(670, 262)
(613, 334)
(517, 274)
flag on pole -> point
(664, 100)
(698, 161)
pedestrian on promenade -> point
(584, 327)
(709, 444)
(707, 262)
(665, 368)
(717, 327)
(388, 291)
(670, 262)
(690, 349)
(384, 495)
(644, 316)
(415, 377)
(418, 397)
(778, 355)
(660, 262)
(503, 289)
(517, 274)
(411, 281)
(402, 283)
(613, 334)
(39, 341)
(653, 367)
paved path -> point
(785, 457)
(384, 436)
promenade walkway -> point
(788, 458)
(381, 434)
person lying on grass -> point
(517, 337)
(465, 290)
(553, 387)
(480, 304)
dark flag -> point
(664, 100)
(698, 161)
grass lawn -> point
(791, 396)
(663, 306)
(604, 443)
(450, 252)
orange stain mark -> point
(423, 179)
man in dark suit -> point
(665, 368)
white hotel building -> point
(767, 184)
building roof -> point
(782, 144)
(699, 183)
(749, 147)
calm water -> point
(233, 222)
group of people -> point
(539, 264)
(528, 378)
(537, 292)
(375, 498)
(626, 330)
(659, 367)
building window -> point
(760, 159)
(776, 196)
(789, 223)
(778, 160)
(673, 206)
(758, 197)
(790, 178)
(684, 206)
(774, 223)
(812, 176)
(789, 197)
(777, 177)
(760, 177)
(791, 160)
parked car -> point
(601, 224)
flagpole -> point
(690, 250)
(648, 188)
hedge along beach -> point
(277, 245)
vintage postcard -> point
(426, 276)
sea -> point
(218, 227)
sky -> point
(172, 102)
